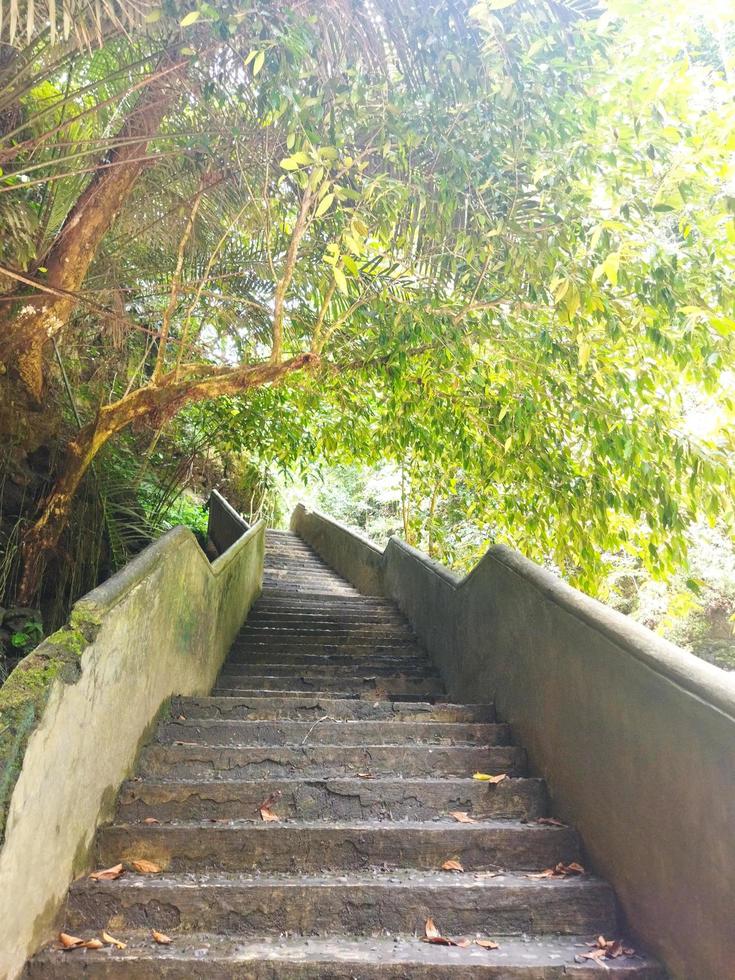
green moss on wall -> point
(25, 693)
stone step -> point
(304, 659)
(328, 732)
(310, 846)
(345, 905)
(301, 798)
(205, 956)
(262, 663)
(308, 569)
(341, 646)
(317, 617)
(299, 589)
(370, 696)
(324, 680)
(304, 708)
(171, 761)
(314, 642)
(297, 631)
(275, 598)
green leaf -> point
(153, 16)
(610, 267)
(258, 62)
(324, 205)
(191, 18)
(340, 279)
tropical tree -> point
(449, 237)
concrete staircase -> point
(328, 707)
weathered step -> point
(305, 645)
(358, 904)
(257, 762)
(204, 955)
(341, 799)
(312, 572)
(239, 690)
(235, 958)
(302, 708)
(318, 617)
(326, 680)
(327, 732)
(397, 636)
(310, 846)
(357, 667)
(275, 599)
(305, 659)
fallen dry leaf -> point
(365, 775)
(111, 941)
(178, 742)
(151, 820)
(268, 816)
(464, 943)
(433, 935)
(161, 938)
(461, 816)
(109, 874)
(146, 867)
(486, 944)
(270, 800)
(483, 777)
(605, 949)
(550, 822)
(73, 942)
(560, 871)
(452, 866)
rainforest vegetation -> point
(481, 252)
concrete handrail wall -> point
(75, 712)
(635, 737)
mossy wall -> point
(74, 713)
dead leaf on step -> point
(550, 822)
(461, 816)
(151, 820)
(433, 935)
(452, 865)
(365, 775)
(464, 943)
(560, 871)
(605, 949)
(108, 874)
(269, 801)
(146, 867)
(483, 777)
(268, 816)
(185, 743)
(161, 938)
(111, 941)
(486, 944)
(73, 942)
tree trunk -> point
(163, 400)
(29, 329)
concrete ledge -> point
(74, 713)
(635, 737)
(225, 525)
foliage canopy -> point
(491, 244)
